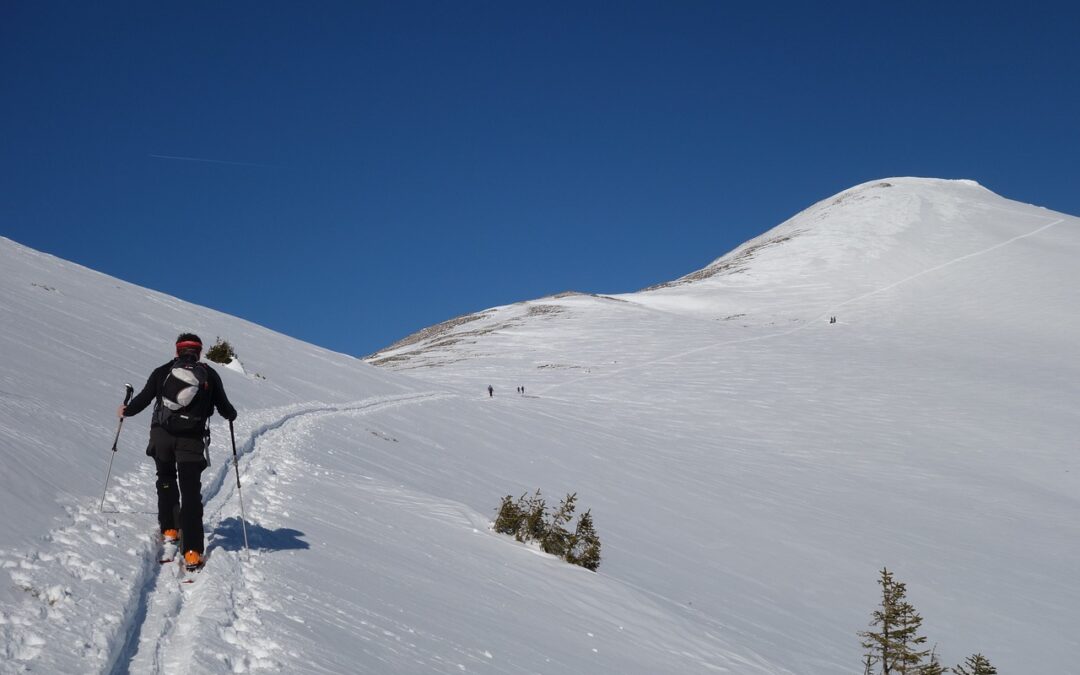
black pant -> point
(180, 465)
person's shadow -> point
(229, 535)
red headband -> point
(188, 344)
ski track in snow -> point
(145, 622)
(813, 320)
(227, 595)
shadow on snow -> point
(229, 536)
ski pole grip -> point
(128, 391)
(235, 458)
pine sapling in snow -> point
(528, 519)
(556, 539)
(895, 645)
(933, 666)
(584, 548)
(222, 352)
(976, 664)
(510, 516)
(534, 527)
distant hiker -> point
(185, 392)
(832, 319)
(523, 390)
(491, 391)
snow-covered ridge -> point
(864, 218)
(858, 241)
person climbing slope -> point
(185, 392)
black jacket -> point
(152, 393)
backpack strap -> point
(158, 405)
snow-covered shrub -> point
(510, 516)
(221, 352)
(528, 519)
(584, 547)
(556, 539)
(534, 527)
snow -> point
(750, 466)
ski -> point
(191, 575)
(168, 552)
(188, 575)
(169, 548)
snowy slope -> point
(750, 466)
(368, 499)
(783, 459)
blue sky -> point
(348, 173)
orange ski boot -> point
(193, 560)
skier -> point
(185, 392)
(491, 391)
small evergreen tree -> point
(510, 516)
(976, 664)
(895, 645)
(933, 667)
(526, 520)
(910, 659)
(585, 545)
(533, 526)
(556, 540)
(222, 352)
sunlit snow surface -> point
(750, 466)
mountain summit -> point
(862, 223)
(891, 248)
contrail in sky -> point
(212, 161)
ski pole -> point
(236, 465)
(128, 391)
